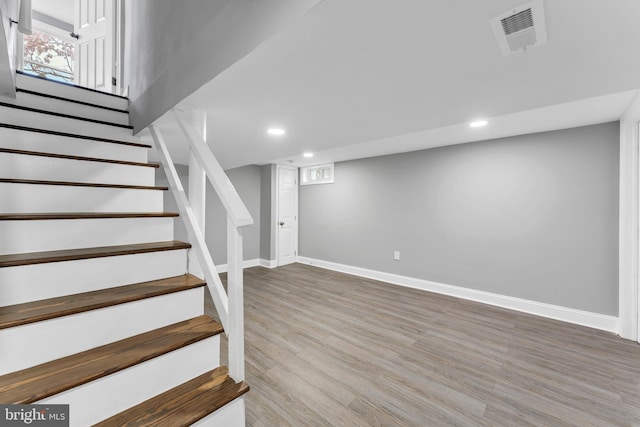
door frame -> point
(277, 210)
(118, 48)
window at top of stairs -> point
(48, 52)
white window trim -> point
(54, 31)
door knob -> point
(281, 223)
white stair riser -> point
(105, 397)
(51, 235)
(67, 91)
(19, 117)
(22, 166)
(30, 198)
(27, 283)
(66, 107)
(36, 343)
(230, 415)
(47, 143)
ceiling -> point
(59, 9)
(358, 78)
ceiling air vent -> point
(521, 28)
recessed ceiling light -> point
(478, 123)
(275, 131)
(308, 155)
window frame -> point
(305, 174)
(43, 27)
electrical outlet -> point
(396, 255)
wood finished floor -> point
(329, 349)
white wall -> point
(8, 37)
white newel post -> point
(197, 187)
(236, 302)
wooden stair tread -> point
(65, 116)
(87, 159)
(80, 184)
(13, 260)
(83, 215)
(22, 314)
(47, 379)
(184, 404)
(75, 101)
(72, 135)
(75, 86)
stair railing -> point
(229, 305)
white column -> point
(197, 187)
(629, 297)
(236, 302)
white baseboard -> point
(565, 314)
(268, 263)
(222, 268)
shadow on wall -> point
(164, 35)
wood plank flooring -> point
(329, 349)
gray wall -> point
(246, 180)
(533, 216)
(174, 47)
(266, 197)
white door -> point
(287, 215)
(93, 23)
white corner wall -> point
(8, 46)
(629, 295)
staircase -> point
(97, 309)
